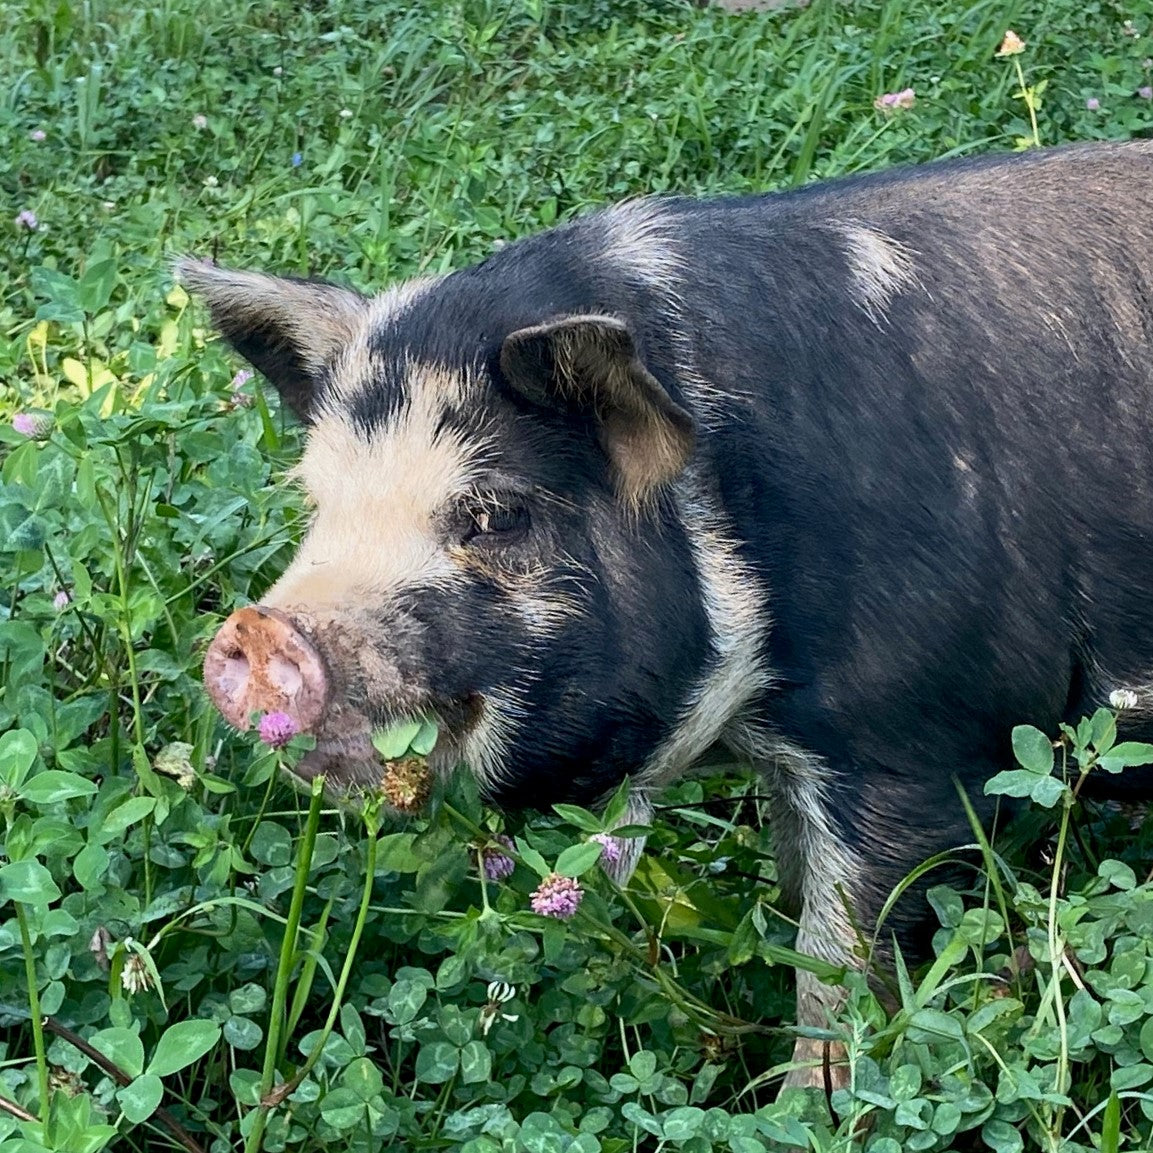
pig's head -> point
(493, 543)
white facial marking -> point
(376, 497)
(484, 747)
(355, 369)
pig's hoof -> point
(817, 1064)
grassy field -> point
(183, 938)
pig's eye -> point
(495, 523)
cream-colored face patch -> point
(376, 498)
(356, 366)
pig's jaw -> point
(345, 755)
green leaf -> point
(28, 882)
(141, 1098)
(422, 744)
(342, 1109)
(618, 805)
(1002, 1137)
(392, 743)
(241, 1033)
(90, 865)
(1048, 791)
(454, 969)
(54, 785)
(1044, 790)
(124, 816)
(271, 844)
(96, 285)
(1118, 874)
(743, 945)
(928, 1025)
(1033, 750)
(353, 1029)
(1146, 1039)
(1011, 783)
(362, 1078)
(578, 859)
(643, 1064)
(1126, 755)
(1111, 1125)
(122, 1047)
(250, 998)
(581, 818)
(684, 1122)
(436, 1062)
(245, 1086)
(405, 999)
(394, 854)
(542, 1133)
(532, 858)
(475, 1063)
(17, 753)
(1103, 730)
(181, 1045)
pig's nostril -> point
(233, 674)
(284, 675)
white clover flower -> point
(1122, 699)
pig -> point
(850, 479)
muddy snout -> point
(260, 662)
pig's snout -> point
(259, 661)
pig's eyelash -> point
(494, 500)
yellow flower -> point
(1012, 45)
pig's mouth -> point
(345, 755)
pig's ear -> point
(590, 363)
(288, 329)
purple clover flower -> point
(611, 847)
(27, 219)
(891, 101)
(241, 378)
(37, 134)
(497, 865)
(1093, 104)
(558, 897)
(37, 426)
(1146, 92)
(277, 729)
(61, 600)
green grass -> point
(185, 917)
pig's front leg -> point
(842, 847)
(820, 881)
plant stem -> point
(270, 1100)
(276, 1018)
(34, 1007)
(1027, 96)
